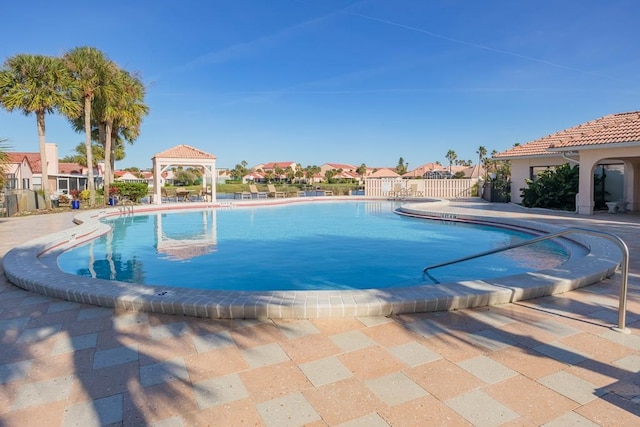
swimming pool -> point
(327, 246)
(34, 266)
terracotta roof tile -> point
(70, 168)
(612, 129)
(344, 167)
(384, 173)
(32, 158)
(184, 151)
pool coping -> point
(27, 266)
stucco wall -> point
(520, 171)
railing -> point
(624, 266)
(125, 205)
(437, 188)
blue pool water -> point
(321, 245)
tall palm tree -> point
(87, 66)
(4, 159)
(482, 153)
(119, 112)
(40, 85)
(451, 156)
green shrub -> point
(553, 189)
(132, 190)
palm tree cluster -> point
(98, 97)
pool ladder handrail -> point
(624, 265)
(125, 206)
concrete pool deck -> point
(547, 361)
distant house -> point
(128, 176)
(427, 171)
(384, 173)
(25, 172)
(608, 147)
(272, 166)
(18, 171)
(337, 166)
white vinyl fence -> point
(438, 188)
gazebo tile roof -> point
(184, 151)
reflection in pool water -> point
(342, 245)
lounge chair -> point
(258, 194)
(168, 195)
(414, 192)
(242, 195)
(273, 192)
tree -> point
(402, 167)
(482, 153)
(4, 159)
(290, 174)
(329, 174)
(451, 156)
(299, 173)
(120, 110)
(87, 68)
(362, 170)
(239, 171)
(39, 85)
(311, 171)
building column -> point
(157, 172)
(585, 186)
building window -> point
(534, 171)
(10, 182)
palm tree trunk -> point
(89, 151)
(43, 158)
(107, 159)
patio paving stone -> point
(551, 361)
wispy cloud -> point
(466, 43)
(249, 48)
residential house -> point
(384, 173)
(18, 171)
(608, 147)
(25, 172)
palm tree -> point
(482, 153)
(40, 85)
(86, 65)
(4, 159)
(451, 156)
(119, 111)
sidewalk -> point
(551, 361)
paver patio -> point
(551, 361)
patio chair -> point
(242, 195)
(273, 192)
(254, 191)
(414, 192)
(168, 195)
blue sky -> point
(317, 81)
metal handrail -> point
(624, 265)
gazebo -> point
(183, 155)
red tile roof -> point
(281, 165)
(32, 158)
(184, 151)
(70, 168)
(618, 128)
(384, 173)
(344, 167)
